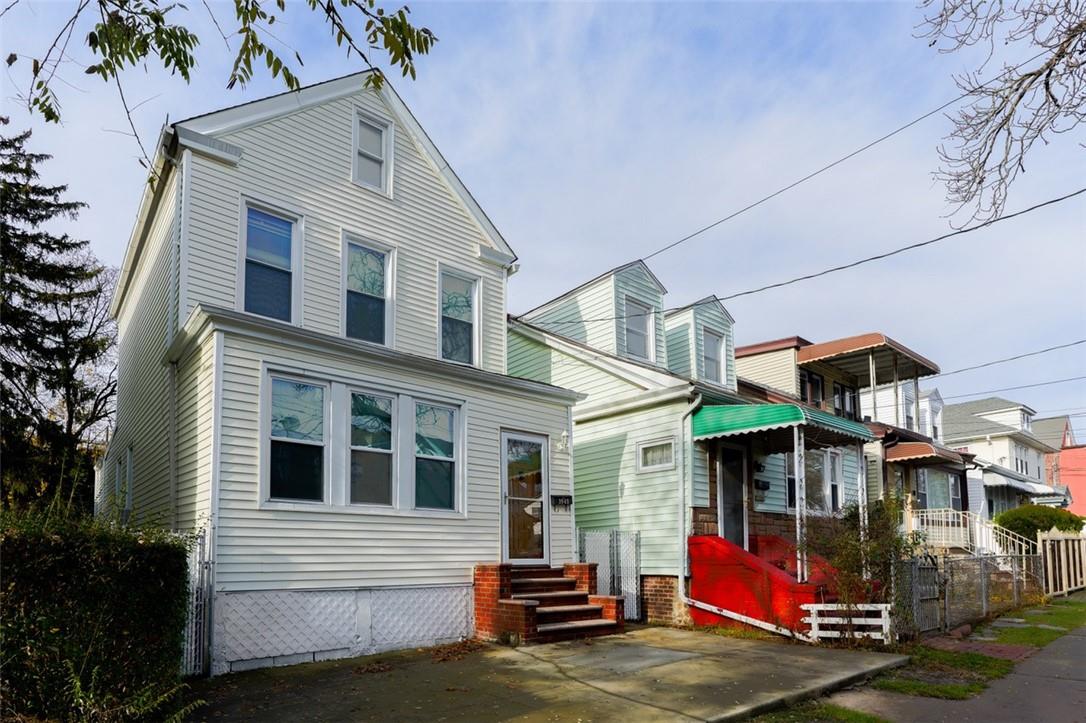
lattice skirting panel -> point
(284, 627)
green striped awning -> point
(726, 420)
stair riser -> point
(566, 617)
(544, 587)
(571, 600)
(521, 572)
(573, 635)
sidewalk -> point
(647, 674)
(1048, 686)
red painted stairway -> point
(541, 604)
(762, 586)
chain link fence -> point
(617, 554)
(933, 594)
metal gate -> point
(194, 656)
(917, 600)
(617, 555)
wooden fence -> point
(1063, 556)
(833, 620)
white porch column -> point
(861, 496)
(897, 395)
(916, 399)
(872, 383)
(801, 502)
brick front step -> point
(518, 573)
(569, 613)
(544, 584)
(553, 632)
(550, 599)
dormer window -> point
(639, 318)
(712, 355)
(372, 152)
(1027, 424)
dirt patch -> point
(377, 667)
(455, 651)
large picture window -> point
(269, 241)
(296, 468)
(367, 293)
(457, 318)
(372, 433)
(435, 456)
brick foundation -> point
(770, 523)
(584, 573)
(660, 601)
(492, 584)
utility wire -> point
(833, 164)
(824, 272)
(1021, 386)
(1010, 358)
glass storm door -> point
(732, 503)
(524, 492)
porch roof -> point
(997, 479)
(921, 453)
(714, 421)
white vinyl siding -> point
(194, 437)
(143, 379)
(587, 316)
(531, 359)
(266, 548)
(304, 161)
(680, 342)
(776, 369)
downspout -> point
(681, 567)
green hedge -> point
(93, 618)
(1028, 520)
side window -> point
(269, 273)
(922, 489)
(639, 324)
(371, 153)
(297, 441)
(457, 330)
(372, 444)
(435, 456)
(712, 355)
(834, 481)
(367, 303)
(790, 474)
(655, 455)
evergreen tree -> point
(55, 336)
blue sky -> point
(593, 134)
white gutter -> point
(680, 585)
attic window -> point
(371, 153)
(639, 318)
(712, 354)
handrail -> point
(969, 531)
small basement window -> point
(655, 455)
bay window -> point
(297, 441)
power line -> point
(1010, 358)
(824, 272)
(833, 164)
(1021, 386)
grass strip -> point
(818, 712)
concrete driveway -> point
(646, 674)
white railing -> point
(1063, 556)
(968, 531)
(835, 620)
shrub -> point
(93, 618)
(1028, 520)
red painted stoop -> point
(727, 576)
(540, 604)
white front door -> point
(525, 485)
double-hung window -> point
(371, 150)
(955, 491)
(372, 443)
(435, 456)
(639, 321)
(269, 264)
(297, 441)
(922, 489)
(367, 303)
(712, 355)
(457, 318)
(835, 466)
(810, 387)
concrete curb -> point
(813, 691)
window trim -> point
(388, 142)
(476, 297)
(655, 442)
(347, 238)
(835, 465)
(264, 463)
(297, 255)
(721, 356)
(650, 327)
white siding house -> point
(312, 317)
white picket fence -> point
(834, 620)
(1063, 556)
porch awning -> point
(713, 421)
(921, 453)
(995, 479)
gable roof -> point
(201, 129)
(707, 301)
(593, 280)
(1051, 430)
(963, 421)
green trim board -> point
(714, 420)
